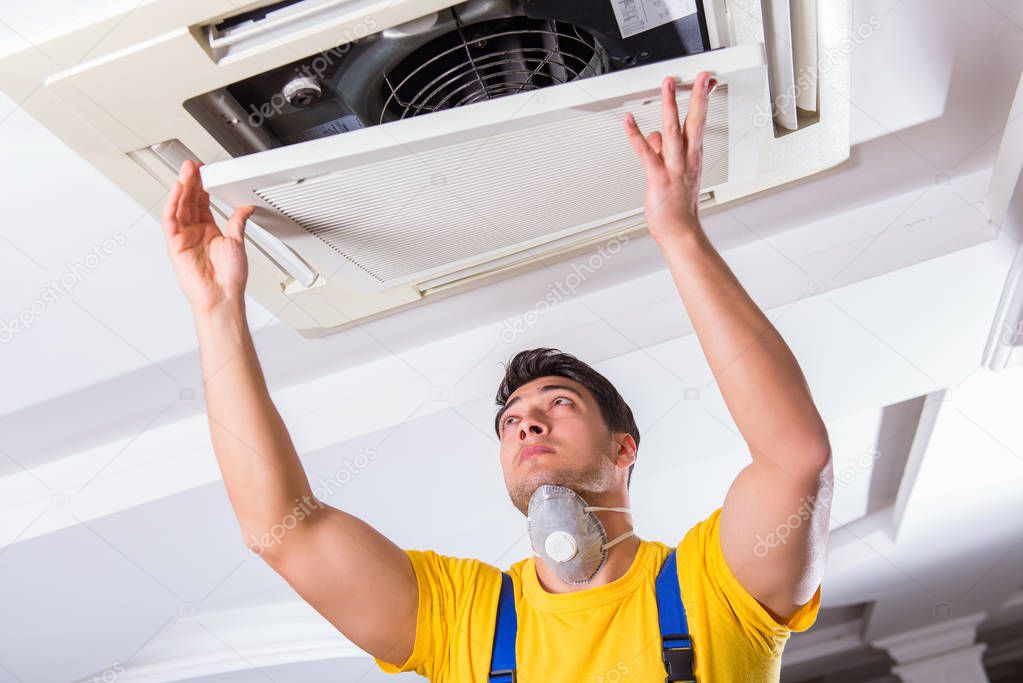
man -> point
(749, 574)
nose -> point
(529, 427)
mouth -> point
(534, 451)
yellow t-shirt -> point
(604, 634)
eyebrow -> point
(547, 388)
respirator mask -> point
(564, 532)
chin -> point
(522, 490)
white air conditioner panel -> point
(407, 201)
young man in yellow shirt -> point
(585, 607)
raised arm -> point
(351, 574)
(780, 493)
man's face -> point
(562, 415)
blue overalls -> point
(676, 645)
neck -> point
(619, 556)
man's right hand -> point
(211, 266)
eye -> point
(505, 421)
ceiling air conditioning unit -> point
(400, 151)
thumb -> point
(236, 224)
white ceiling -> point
(117, 543)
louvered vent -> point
(479, 199)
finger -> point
(696, 119)
(169, 220)
(672, 142)
(236, 224)
(203, 199)
(639, 144)
(186, 205)
(655, 141)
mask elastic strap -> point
(591, 508)
(620, 538)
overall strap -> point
(676, 644)
(502, 660)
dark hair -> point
(528, 365)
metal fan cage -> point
(489, 60)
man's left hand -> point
(673, 161)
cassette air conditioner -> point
(401, 151)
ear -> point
(626, 449)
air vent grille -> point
(475, 200)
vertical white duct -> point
(790, 29)
(1004, 192)
(780, 67)
(805, 50)
(1005, 172)
(1007, 328)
